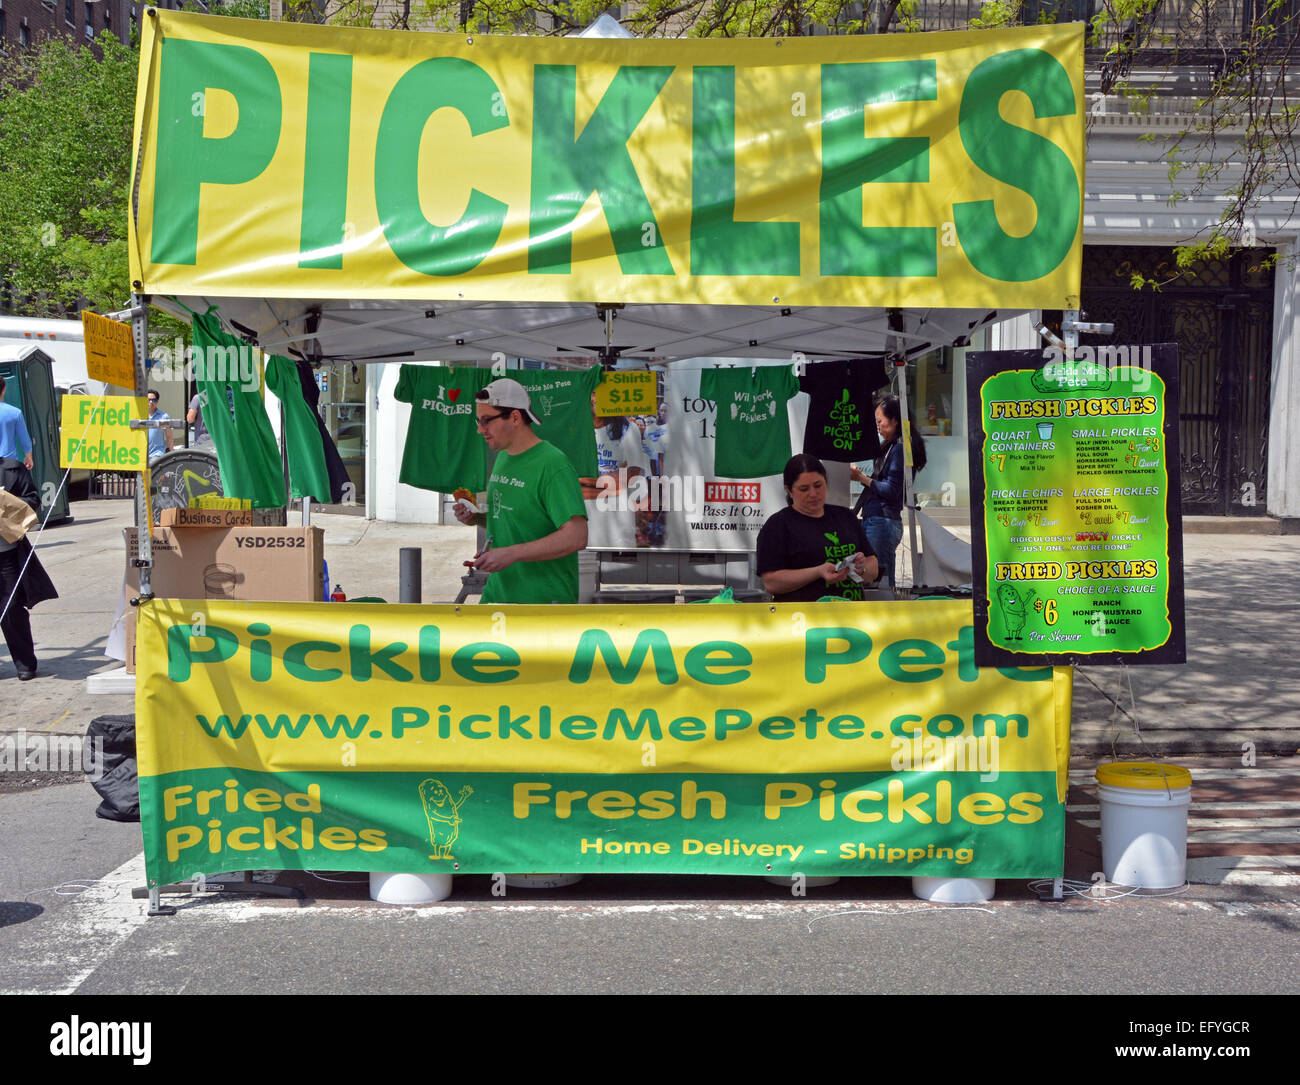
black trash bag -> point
(119, 784)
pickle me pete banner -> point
(820, 739)
(284, 160)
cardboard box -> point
(206, 518)
(284, 564)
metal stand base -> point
(244, 887)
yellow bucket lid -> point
(1143, 774)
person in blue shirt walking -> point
(15, 441)
(881, 503)
(160, 440)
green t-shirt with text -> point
(443, 448)
(753, 434)
(529, 496)
(561, 399)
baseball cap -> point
(509, 394)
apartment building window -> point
(108, 14)
(90, 19)
(25, 35)
(2, 21)
(70, 12)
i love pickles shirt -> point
(443, 449)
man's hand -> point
(27, 461)
(493, 561)
(469, 519)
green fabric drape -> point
(235, 416)
(308, 472)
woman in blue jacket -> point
(881, 503)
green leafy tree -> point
(65, 163)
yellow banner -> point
(285, 160)
(95, 433)
(646, 689)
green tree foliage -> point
(65, 163)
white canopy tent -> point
(328, 331)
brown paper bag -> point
(16, 516)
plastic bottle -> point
(337, 596)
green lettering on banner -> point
(624, 674)
(325, 163)
(296, 665)
(181, 654)
(818, 654)
(719, 244)
(567, 170)
(850, 160)
(442, 82)
(363, 658)
(715, 662)
(186, 158)
(1023, 159)
(482, 661)
(897, 661)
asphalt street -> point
(68, 923)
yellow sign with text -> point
(287, 160)
(819, 738)
(627, 394)
(110, 350)
(95, 433)
(583, 689)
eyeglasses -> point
(483, 421)
(153, 399)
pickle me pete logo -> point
(227, 365)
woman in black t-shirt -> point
(801, 548)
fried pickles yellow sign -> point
(313, 161)
(748, 739)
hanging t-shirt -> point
(530, 496)
(791, 540)
(236, 418)
(753, 435)
(308, 471)
(443, 449)
(611, 520)
(841, 419)
(561, 399)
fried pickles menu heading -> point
(1078, 534)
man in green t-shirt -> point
(536, 519)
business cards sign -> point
(1076, 507)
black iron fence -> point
(105, 484)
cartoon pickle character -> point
(443, 814)
(1014, 609)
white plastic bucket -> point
(954, 890)
(1144, 831)
(409, 888)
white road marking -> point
(91, 927)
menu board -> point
(1076, 516)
